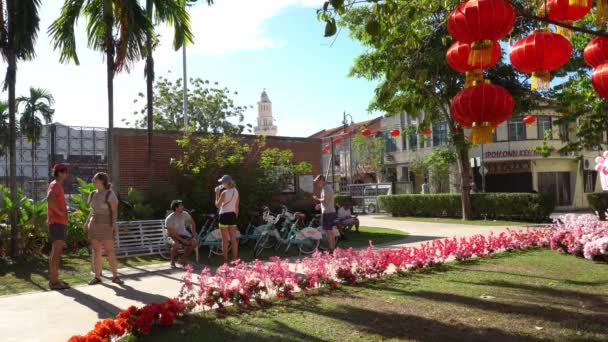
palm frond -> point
(25, 25)
(174, 13)
(62, 31)
(133, 30)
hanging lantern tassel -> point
(473, 77)
(566, 32)
(601, 12)
(481, 133)
(578, 3)
(481, 52)
(541, 80)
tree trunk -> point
(12, 108)
(34, 195)
(465, 173)
(109, 42)
(149, 71)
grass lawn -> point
(32, 275)
(520, 296)
(458, 221)
(354, 239)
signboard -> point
(511, 154)
(517, 166)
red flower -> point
(166, 319)
(77, 338)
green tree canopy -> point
(211, 108)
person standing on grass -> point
(328, 210)
(57, 219)
(227, 201)
(182, 229)
(100, 226)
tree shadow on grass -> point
(598, 302)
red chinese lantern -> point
(599, 79)
(327, 147)
(428, 131)
(596, 52)
(344, 134)
(482, 108)
(529, 119)
(564, 11)
(458, 59)
(366, 132)
(480, 22)
(336, 140)
(395, 133)
(540, 53)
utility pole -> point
(345, 125)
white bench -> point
(139, 238)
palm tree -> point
(19, 23)
(38, 103)
(174, 13)
(4, 141)
(117, 28)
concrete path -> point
(55, 316)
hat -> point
(60, 168)
(225, 179)
(319, 177)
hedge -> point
(598, 201)
(520, 206)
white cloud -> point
(235, 25)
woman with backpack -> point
(100, 226)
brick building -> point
(130, 167)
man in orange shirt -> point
(57, 219)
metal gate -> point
(365, 196)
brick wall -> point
(130, 166)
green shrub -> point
(520, 206)
(341, 199)
(598, 201)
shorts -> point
(57, 232)
(228, 220)
(328, 221)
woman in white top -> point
(227, 201)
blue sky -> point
(242, 44)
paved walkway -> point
(55, 316)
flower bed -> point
(582, 236)
(241, 282)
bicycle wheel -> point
(309, 246)
(217, 249)
(260, 245)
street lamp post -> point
(350, 145)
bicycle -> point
(307, 239)
(270, 236)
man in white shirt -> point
(328, 210)
(346, 219)
(177, 224)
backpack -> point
(107, 202)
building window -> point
(589, 178)
(413, 142)
(543, 125)
(563, 131)
(390, 145)
(440, 134)
(517, 130)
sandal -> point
(58, 286)
(118, 281)
(64, 284)
(95, 281)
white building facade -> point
(265, 124)
(511, 163)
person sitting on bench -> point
(182, 230)
(346, 220)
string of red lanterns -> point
(458, 59)
(529, 119)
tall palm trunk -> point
(108, 18)
(34, 194)
(150, 95)
(12, 108)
